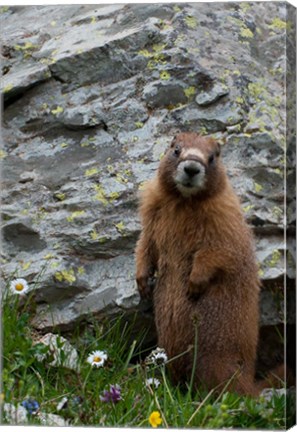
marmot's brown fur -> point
(195, 241)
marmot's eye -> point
(211, 159)
(177, 150)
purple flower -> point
(112, 395)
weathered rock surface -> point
(93, 95)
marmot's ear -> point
(175, 133)
(174, 138)
(218, 151)
(220, 144)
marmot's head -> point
(192, 166)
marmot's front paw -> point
(195, 291)
(146, 285)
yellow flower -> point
(155, 419)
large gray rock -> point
(93, 95)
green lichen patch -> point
(100, 194)
(26, 265)
(190, 91)
(57, 111)
(3, 154)
(7, 88)
(76, 215)
(91, 171)
(60, 196)
(248, 208)
(275, 258)
(120, 227)
(246, 33)
(66, 275)
(139, 124)
(164, 75)
(277, 23)
(257, 187)
(191, 22)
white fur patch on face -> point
(190, 177)
(187, 153)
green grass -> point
(24, 376)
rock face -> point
(93, 95)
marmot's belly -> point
(215, 316)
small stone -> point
(15, 414)
(213, 95)
(52, 420)
(61, 350)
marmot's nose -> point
(191, 169)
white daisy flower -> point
(157, 357)
(152, 382)
(19, 286)
(97, 358)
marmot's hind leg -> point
(224, 372)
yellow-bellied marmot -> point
(196, 242)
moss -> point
(139, 125)
(64, 145)
(75, 215)
(102, 240)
